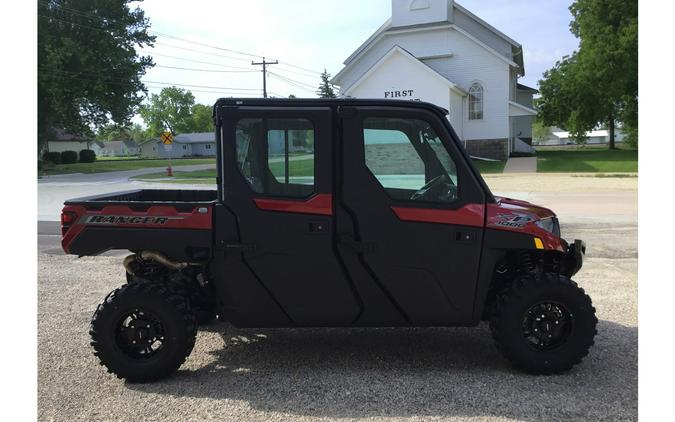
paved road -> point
(336, 374)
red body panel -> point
(506, 214)
(321, 203)
(156, 217)
(520, 216)
(468, 215)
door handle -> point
(465, 236)
(318, 227)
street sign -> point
(167, 138)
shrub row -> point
(70, 157)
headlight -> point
(549, 224)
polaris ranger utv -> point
(341, 212)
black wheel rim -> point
(140, 334)
(547, 325)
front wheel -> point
(143, 332)
(544, 324)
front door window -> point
(408, 159)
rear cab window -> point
(276, 156)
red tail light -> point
(67, 220)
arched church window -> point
(476, 102)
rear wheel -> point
(544, 324)
(143, 332)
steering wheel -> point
(433, 190)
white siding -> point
(479, 31)
(456, 113)
(413, 12)
(468, 63)
(471, 63)
(399, 73)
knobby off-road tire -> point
(148, 315)
(544, 324)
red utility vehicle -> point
(344, 212)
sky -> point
(307, 36)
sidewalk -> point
(521, 165)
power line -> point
(100, 18)
(203, 44)
(211, 92)
(295, 72)
(302, 68)
(201, 52)
(119, 81)
(292, 83)
(152, 53)
(205, 70)
(107, 20)
(293, 80)
(204, 86)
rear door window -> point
(276, 156)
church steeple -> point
(416, 12)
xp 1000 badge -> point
(512, 220)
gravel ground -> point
(326, 374)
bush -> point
(87, 156)
(53, 157)
(69, 157)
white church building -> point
(438, 51)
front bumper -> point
(574, 258)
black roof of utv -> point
(314, 102)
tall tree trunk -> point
(611, 133)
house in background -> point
(594, 137)
(201, 144)
(127, 148)
(438, 51)
(184, 145)
(65, 141)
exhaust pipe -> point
(152, 256)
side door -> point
(277, 167)
(418, 212)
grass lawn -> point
(587, 160)
(111, 158)
(100, 166)
(296, 168)
(489, 166)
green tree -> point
(138, 133)
(112, 132)
(598, 83)
(326, 89)
(170, 110)
(89, 71)
(202, 118)
(540, 131)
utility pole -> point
(264, 67)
